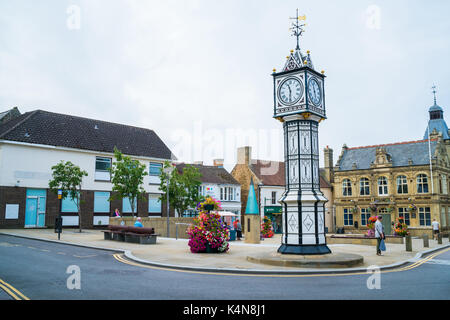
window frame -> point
(421, 184)
(96, 197)
(383, 187)
(426, 214)
(401, 186)
(403, 212)
(152, 196)
(102, 159)
(349, 214)
(273, 199)
(365, 215)
(365, 187)
(346, 188)
(154, 164)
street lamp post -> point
(168, 171)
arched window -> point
(422, 183)
(364, 187)
(346, 187)
(382, 186)
(402, 185)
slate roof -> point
(271, 173)
(61, 130)
(400, 154)
(211, 174)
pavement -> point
(172, 253)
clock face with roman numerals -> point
(314, 92)
(290, 91)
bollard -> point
(426, 242)
(408, 243)
(439, 236)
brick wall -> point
(12, 195)
(17, 195)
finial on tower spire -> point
(434, 93)
(297, 28)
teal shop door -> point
(31, 212)
(35, 208)
(386, 222)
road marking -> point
(13, 292)
(120, 258)
(441, 262)
(89, 256)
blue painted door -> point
(35, 208)
(31, 212)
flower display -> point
(266, 228)
(400, 228)
(412, 208)
(208, 229)
(209, 204)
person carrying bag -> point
(379, 234)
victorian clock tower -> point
(299, 103)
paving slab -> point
(169, 251)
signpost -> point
(58, 221)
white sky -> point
(198, 71)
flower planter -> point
(209, 249)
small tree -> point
(183, 187)
(127, 177)
(68, 177)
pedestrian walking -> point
(379, 234)
(238, 228)
(435, 226)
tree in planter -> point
(68, 178)
(183, 187)
(127, 177)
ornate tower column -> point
(299, 103)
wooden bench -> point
(130, 234)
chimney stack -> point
(218, 163)
(244, 155)
(328, 159)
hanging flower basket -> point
(412, 208)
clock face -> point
(290, 91)
(314, 92)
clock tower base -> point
(304, 249)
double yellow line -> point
(120, 258)
(13, 292)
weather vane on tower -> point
(434, 92)
(297, 28)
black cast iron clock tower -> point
(299, 103)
